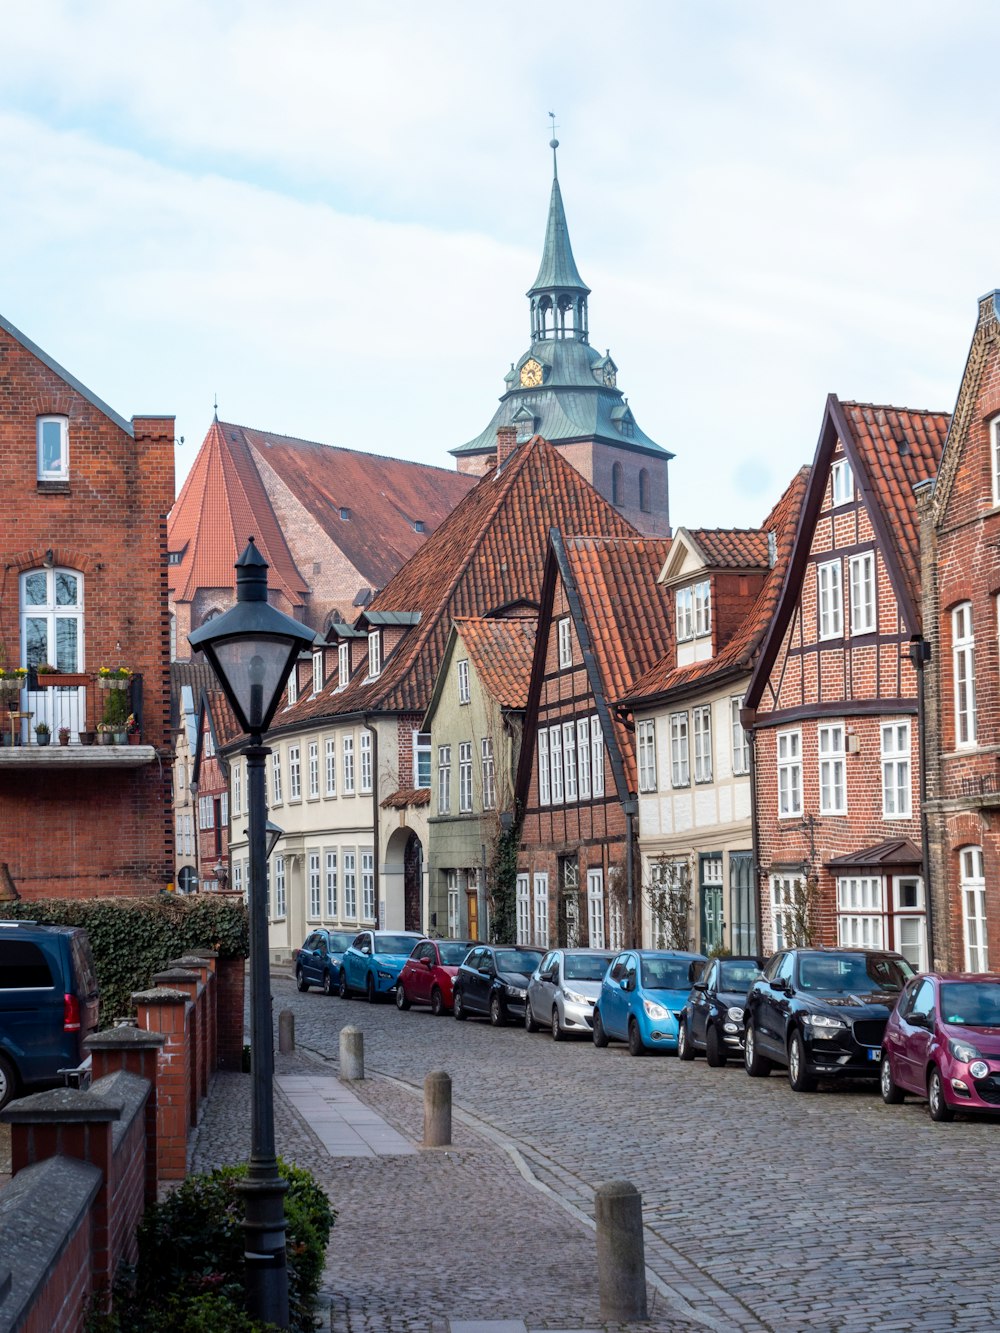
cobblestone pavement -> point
(763, 1209)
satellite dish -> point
(187, 879)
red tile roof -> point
(731, 548)
(489, 553)
(407, 796)
(501, 651)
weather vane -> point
(554, 143)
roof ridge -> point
(340, 448)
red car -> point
(428, 974)
(942, 1042)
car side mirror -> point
(779, 984)
(625, 983)
(427, 962)
(701, 985)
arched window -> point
(617, 484)
(644, 501)
(973, 884)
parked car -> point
(372, 962)
(642, 995)
(48, 1003)
(492, 983)
(712, 1019)
(317, 963)
(822, 1013)
(563, 990)
(429, 972)
(942, 1042)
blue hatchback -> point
(373, 961)
(642, 995)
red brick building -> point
(603, 621)
(83, 546)
(217, 727)
(961, 530)
(833, 699)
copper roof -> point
(731, 548)
(501, 652)
(892, 852)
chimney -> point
(506, 444)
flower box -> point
(66, 679)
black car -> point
(822, 1013)
(492, 982)
(317, 963)
(712, 1019)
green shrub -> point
(132, 938)
(207, 1313)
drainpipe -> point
(376, 859)
(631, 807)
(920, 655)
(747, 718)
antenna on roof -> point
(554, 143)
(215, 405)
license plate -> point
(874, 1054)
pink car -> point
(942, 1042)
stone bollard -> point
(437, 1110)
(621, 1261)
(352, 1054)
(286, 1032)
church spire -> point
(558, 295)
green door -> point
(710, 893)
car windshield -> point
(666, 973)
(737, 975)
(340, 940)
(585, 966)
(517, 960)
(453, 951)
(852, 974)
(394, 943)
(971, 1004)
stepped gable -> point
(488, 554)
(501, 650)
(738, 653)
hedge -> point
(132, 938)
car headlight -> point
(979, 1069)
(575, 997)
(964, 1051)
(735, 1013)
(654, 1010)
(386, 976)
(823, 1026)
(515, 992)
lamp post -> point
(251, 649)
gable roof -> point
(891, 450)
(501, 652)
(488, 553)
(737, 655)
(731, 548)
(981, 353)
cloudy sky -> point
(328, 214)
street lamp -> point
(251, 649)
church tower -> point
(563, 389)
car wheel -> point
(496, 1011)
(799, 1077)
(685, 1051)
(756, 1065)
(892, 1093)
(458, 1006)
(8, 1081)
(715, 1052)
(342, 988)
(401, 1001)
(328, 987)
(635, 1046)
(370, 990)
(529, 1018)
(936, 1104)
(437, 1002)
(600, 1036)
(300, 980)
(557, 1032)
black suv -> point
(48, 1003)
(494, 983)
(822, 1013)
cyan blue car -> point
(642, 995)
(372, 963)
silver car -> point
(563, 989)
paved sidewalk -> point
(456, 1240)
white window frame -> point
(292, 688)
(465, 777)
(541, 909)
(317, 671)
(684, 614)
(701, 720)
(280, 889)
(330, 882)
(489, 774)
(350, 885)
(544, 788)
(829, 600)
(789, 765)
(565, 643)
(238, 876)
(453, 905)
(314, 770)
(555, 764)
(294, 773)
(331, 765)
(422, 747)
(863, 596)
(831, 746)
(995, 458)
(522, 900)
(464, 687)
(963, 656)
(368, 884)
(276, 798)
(702, 595)
(569, 760)
(315, 887)
(973, 888)
(59, 470)
(841, 483)
(237, 788)
(444, 779)
(645, 739)
(365, 782)
(583, 757)
(896, 771)
(680, 751)
(343, 665)
(347, 753)
(596, 756)
(374, 654)
(741, 741)
(861, 912)
(595, 908)
(782, 887)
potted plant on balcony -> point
(11, 684)
(116, 714)
(113, 678)
(104, 733)
(132, 728)
(64, 735)
(43, 733)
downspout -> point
(747, 718)
(630, 807)
(376, 859)
(920, 655)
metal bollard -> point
(621, 1261)
(352, 1054)
(286, 1032)
(437, 1109)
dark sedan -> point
(493, 982)
(712, 1019)
(822, 1013)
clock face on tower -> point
(610, 376)
(531, 374)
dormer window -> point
(345, 514)
(53, 449)
(375, 654)
(842, 482)
(419, 525)
(343, 665)
(694, 611)
(293, 685)
(317, 671)
(524, 424)
(175, 557)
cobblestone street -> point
(763, 1209)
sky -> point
(327, 214)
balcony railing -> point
(93, 709)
